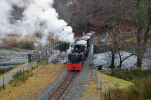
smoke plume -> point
(27, 17)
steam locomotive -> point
(79, 52)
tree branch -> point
(133, 23)
(123, 60)
(127, 57)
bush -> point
(2, 71)
(100, 67)
(18, 75)
(9, 44)
(122, 74)
(28, 45)
(129, 75)
(141, 73)
(23, 75)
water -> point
(11, 58)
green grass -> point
(37, 66)
(141, 90)
(111, 82)
(7, 73)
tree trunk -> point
(120, 59)
(112, 61)
(139, 62)
(139, 49)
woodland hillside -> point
(87, 15)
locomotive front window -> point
(79, 47)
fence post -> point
(38, 56)
(29, 58)
(3, 83)
(46, 56)
(51, 47)
(34, 55)
(23, 73)
(109, 95)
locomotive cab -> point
(86, 38)
(81, 46)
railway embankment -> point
(119, 84)
(100, 84)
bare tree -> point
(141, 15)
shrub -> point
(18, 75)
(28, 45)
(2, 71)
(126, 74)
(9, 44)
(100, 67)
(23, 75)
(141, 73)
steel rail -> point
(61, 85)
(66, 86)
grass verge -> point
(41, 77)
(111, 82)
(90, 90)
(107, 82)
(141, 89)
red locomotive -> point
(80, 52)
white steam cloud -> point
(37, 16)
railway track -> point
(62, 87)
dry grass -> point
(42, 77)
(19, 38)
(91, 92)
